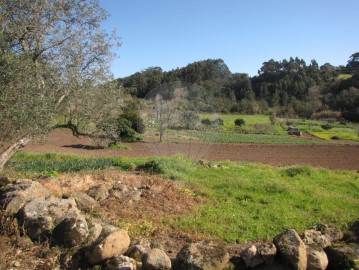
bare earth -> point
(341, 156)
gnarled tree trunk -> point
(9, 152)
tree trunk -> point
(8, 153)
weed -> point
(298, 170)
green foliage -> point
(137, 123)
(239, 122)
(215, 122)
(175, 167)
(124, 128)
(206, 121)
(327, 126)
(298, 170)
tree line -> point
(290, 87)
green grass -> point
(243, 201)
(52, 164)
(251, 201)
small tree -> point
(54, 57)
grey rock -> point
(334, 234)
(268, 253)
(115, 244)
(100, 192)
(202, 256)
(71, 232)
(156, 259)
(16, 194)
(136, 252)
(120, 263)
(316, 258)
(84, 202)
(292, 249)
(345, 256)
(95, 230)
(313, 237)
(251, 257)
(41, 215)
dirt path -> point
(326, 156)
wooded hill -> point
(288, 87)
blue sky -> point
(244, 33)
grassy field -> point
(242, 201)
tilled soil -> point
(334, 156)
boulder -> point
(120, 263)
(136, 252)
(100, 192)
(95, 230)
(71, 232)
(313, 237)
(331, 231)
(16, 194)
(115, 244)
(156, 259)
(343, 257)
(41, 215)
(292, 249)
(202, 256)
(316, 258)
(84, 202)
(251, 257)
(268, 253)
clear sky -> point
(244, 33)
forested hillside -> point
(290, 87)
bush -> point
(239, 122)
(137, 123)
(206, 121)
(218, 122)
(327, 126)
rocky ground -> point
(76, 222)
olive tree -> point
(54, 57)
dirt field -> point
(326, 156)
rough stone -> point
(120, 263)
(136, 252)
(115, 244)
(268, 253)
(313, 237)
(41, 215)
(292, 249)
(84, 202)
(202, 256)
(16, 194)
(95, 230)
(100, 192)
(71, 232)
(343, 257)
(251, 257)
(316, 258)
(334, 234)
(156, 259)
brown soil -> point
(335, 156)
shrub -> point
(239, 122)
(327, 126)
(218, 122)
(206, 121)
(298, 170)
(273, 118)
(137, 123)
